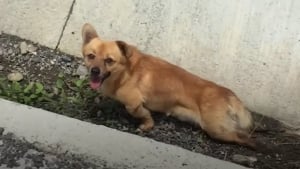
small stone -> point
(10, 51)
(1, 67)
(55, 91)
(1, 52)
(244, 160)
(16, 76)
(23, 47)
(81, 71)
(66, 58)
(67, 71)
(97, 100)
(36, 59)
(124, 128)
(50, 158)
(1, 131)
(1, 142)
(33, 152)
(99, 113)
(31, 48)
(26, 57)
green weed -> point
(69, 96)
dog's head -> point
(104, 59)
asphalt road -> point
(19, 154)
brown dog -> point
(144, 83)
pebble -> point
(32, 152)
(10, 51)
(1, 142)
(66, 59)
(99, 113)
(16, 76)
(36, 59)
(97, 100)
(1, 67)
(23, 47)
(124, 128)
(81, 71)
(67, 71)
(31, 48)
(55, 91)
(26, 58)
(244, 160)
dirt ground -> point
(285, 153)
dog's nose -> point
(95, 71)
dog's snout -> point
(95, 71)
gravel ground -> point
(38, 63)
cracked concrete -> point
(39, 21)
(65, 24)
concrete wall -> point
(39, 21)
(250, 46)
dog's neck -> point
(112, 84)
(134, 58)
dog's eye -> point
(91, 56)
(108, 60)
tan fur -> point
(145, 83)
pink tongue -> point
(95, 85)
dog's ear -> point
(88, 33)
(125, 49)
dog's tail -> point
(240, 114)
(245, 127)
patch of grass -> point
(29, 93)
(69, 95)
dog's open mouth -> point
(96, 81)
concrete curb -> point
(96, 142)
